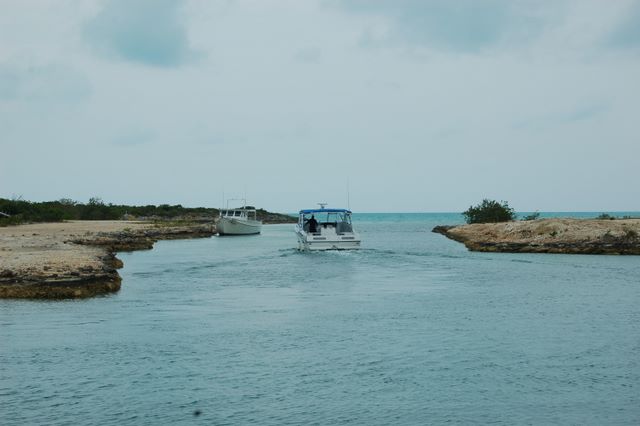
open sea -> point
(413, 329)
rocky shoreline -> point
(77, 259)
(558, 235)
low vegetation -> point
(17, 211)
(20, 211)
(489, 211)
(533, 216)
(605, 216)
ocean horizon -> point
(519, 214)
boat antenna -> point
(322, 205)
(348, 200)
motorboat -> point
(238, 221)
(326, 229)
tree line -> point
(16, 211)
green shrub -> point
(489, 211)
(605, 216)
(533, 216)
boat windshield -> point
(339, 220)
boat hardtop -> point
(313, 211)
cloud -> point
(310, 55)
(466, 26)
(586, 112)
(41, 83)
(149, 32)
(577, 114)
(133, 136)
(627, 33)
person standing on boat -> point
(313, 224)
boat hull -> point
(230, 226)
(311, 242)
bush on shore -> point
(489, 211)
(605, 216)
(533, 216)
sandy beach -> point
(76, 258)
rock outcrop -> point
(562, 235)
(76, 259)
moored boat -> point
(326, 229)
(240, 221)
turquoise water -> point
(413, 329)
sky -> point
(381, 106)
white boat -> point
(326, 229)
(240, 221)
